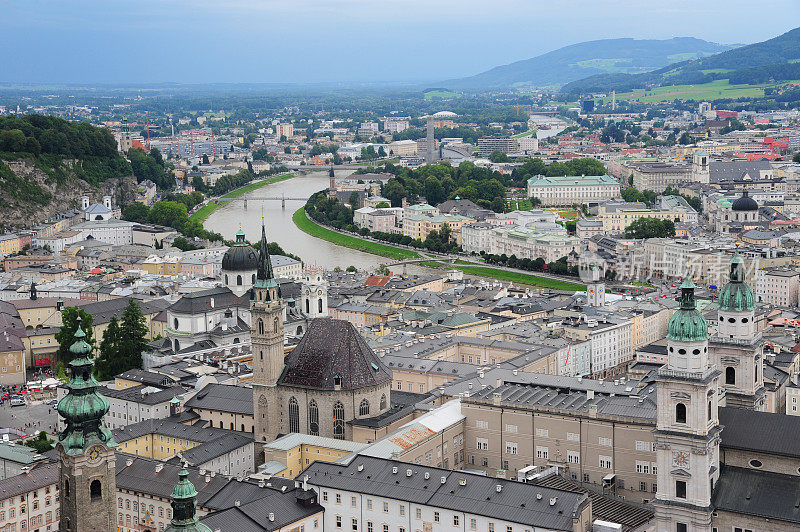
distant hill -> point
(580, 60)
(777, 59)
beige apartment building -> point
(657, 176)
(618, 220)
(778, 286)
(418, 226)
(604, 440)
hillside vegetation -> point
(579, 60)
(771, 60)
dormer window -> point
(337, 380)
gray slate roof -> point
(758, 493)
(776, 433)
(333, 349)
(516, 502)
(37, 478)
(141, 477)
(223, 398)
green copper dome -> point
(687, 324)
(83, 407)
(736, 295)
(184, 515)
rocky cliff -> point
(30, 194)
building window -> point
(435, 517)
(682, 527)
(455, 520)
(294, 415)
(482, 444)
(573, 457)
(680, 413)
(370, 528)
(363, 408)
(95, 490)
(511, 447)
(542, 452)
(680, 489)
(313, 418)
(260, 326)
(338, 498)
(355, 524)
(238, 280)
(383, 402)
(338, 420)
(730, 375)
(605, 462)
(338, 521)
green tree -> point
(136, 212)
(134, 336)
(650, 228)
(382, 205)
(796, 157)
(351, 269)
(394, 191)
(381, 152)
(65, 337)
(535, 202)
(498, 204)
(353, 200)
(499, 157)
(169, 213)
(434, 192)
(40, 442)
(109, 360)
(382, 269)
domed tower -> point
(184, 515)
(87, 481)
(700, 167)
(745, 208)
(737, 347)
(687, 430)
(239, 266)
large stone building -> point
(330, 378)
(568, 190)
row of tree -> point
(169, 213)
(123, 343)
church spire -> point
(265, 277)
(83, 407)
(184, 515)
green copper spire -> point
(83, 407)
(184, 516)
(736, 295)
(265, 277)
(687, 324)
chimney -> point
(589, 394)
(271, 515)
(237, 503)
(305, 482)
(499, 488)
(159, 467)
(261, 483)
(497, 398)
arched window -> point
(680, 413)
(308, 306)
(319, 305)
(275, 324)
(238, 280)
(730, 375)
(253, 279)
(709, 410)
(294, 415)
(177, 345)
(338, 420)
(313, 418)
(383, 402)
(226, 279)
(299, 330)
(363, 408)
(95, 489)
(66, 487)
(260, 326)
(175, 322)
(755, 374)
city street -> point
(39, 415)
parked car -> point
(52, 402)
(17, 401)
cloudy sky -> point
(153, 41)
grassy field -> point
(525, 134)
(714, 90)
(519, 205)
(441, 95)
(520, 278)
(309, 226)
(205, 211)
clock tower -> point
(266, 337)
(687, 433)
(87, 482)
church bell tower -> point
(266, 337)
(687, 433)
(87, 483)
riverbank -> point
(205, 211)
(308, 226)
(520, 278)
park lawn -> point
(519, 205)
(525, 134)
(431, 264)
(305, 224)
(520, 278)
(206, 210)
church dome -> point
(240, 256)
(687, 324)
(736, 295)
(745, 203)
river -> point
(281, 229)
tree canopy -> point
(650, 228)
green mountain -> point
(777, 59)
(580, 60)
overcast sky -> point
(151, 41)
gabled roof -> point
(751, 492)
(776, 433)
(332, 350)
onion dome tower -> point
(737, 347)
(239, 266)
(687, 433)
(87, 480)
(184, 515)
